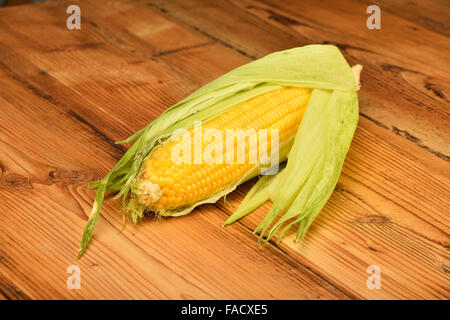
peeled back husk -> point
(319, 147)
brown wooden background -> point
(67, 95)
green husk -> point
(310, 178)
(257, 196)
(320, 67)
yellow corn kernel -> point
(166, 185)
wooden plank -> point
(390, 209)
(67, 95)
(429, 14)
(396, 58)
(44, 177)
(399, 191)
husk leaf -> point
(319, 67)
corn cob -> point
(164, 187)
(308, 94)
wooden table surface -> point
(67, 95)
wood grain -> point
(68, 95)
(419, 113)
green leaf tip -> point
(92, 220)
